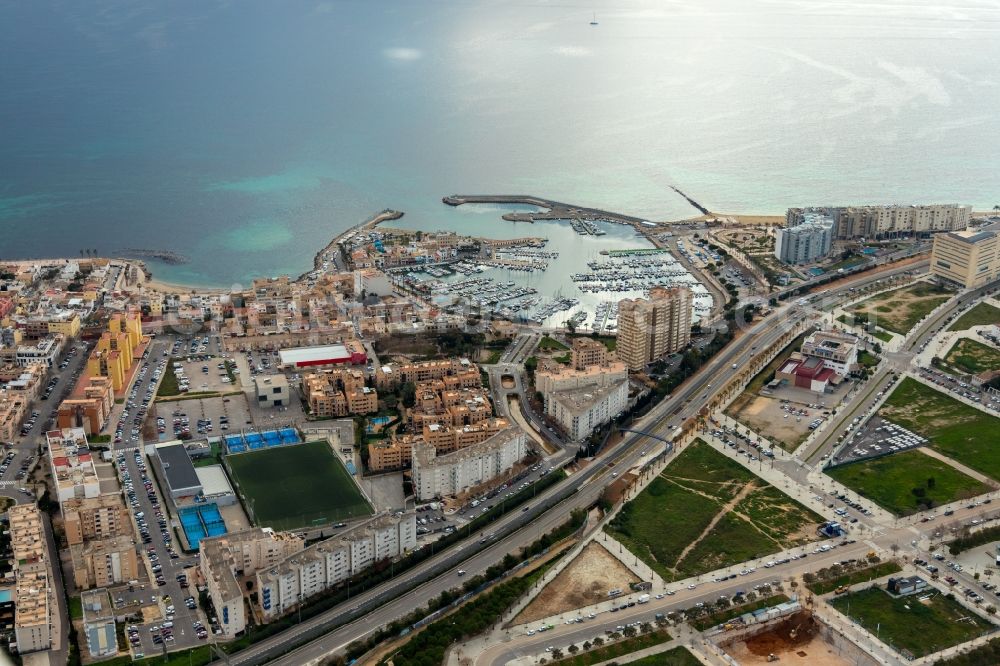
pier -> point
(555, 210)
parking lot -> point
(169, 609)
(877, 437)
(198, 418)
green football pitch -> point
(288, 487)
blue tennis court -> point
(255, 441)
(200, 522)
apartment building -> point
(967, 258)
(25, 381)
(462, 470)
(328, 563)
(96, 518)
(116, 349)
(243, 553)
(587, 353)
(73, 471)
(580, 411)
(456, 373)
(44, 351)
(105, 562)
(877, 222)
(32, 591)
(89, 408)
(397, 453)
(649, 329)
(339, 392)
(12, 411)
(806, 242)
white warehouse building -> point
(452, 473)
(330, 562)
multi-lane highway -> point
(385, 603)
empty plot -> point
(972, 357)
(910, 625)
(707, 511)
(907, 482)
(898, 310)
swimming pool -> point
(200, 522)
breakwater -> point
(331, 251)
(166, 256)
(554, 210)
(704, 211)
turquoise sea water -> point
(245, 135)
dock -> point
(555, 210)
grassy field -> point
(551, 344)
(906, 623)
(678, 656)
(168, 383)
(854, 577)
(619, 648)
(898, 310)
(670, 524)
(981, 314)
(296, 486)
(882, 335)
(953, 428)
(972, 357)
(891, 481)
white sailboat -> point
(594, 22)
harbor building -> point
(807, 241)
(878, 222)
(967, 258)
(459, 471)
(330, 562)
(649, 329)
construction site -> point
(801, 638)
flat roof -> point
(299, 355)
(213, 480)
(177, 466)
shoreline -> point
(149, 281)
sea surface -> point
(244, 135)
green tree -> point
(408, 394)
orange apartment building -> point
(398, 452)
(90, 408)
(95, 518)
(339, 392)
(116, 349)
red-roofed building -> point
(807, 373)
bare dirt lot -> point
(782, 423)
(807, 646)
(585, 581)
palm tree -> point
(996, 209)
